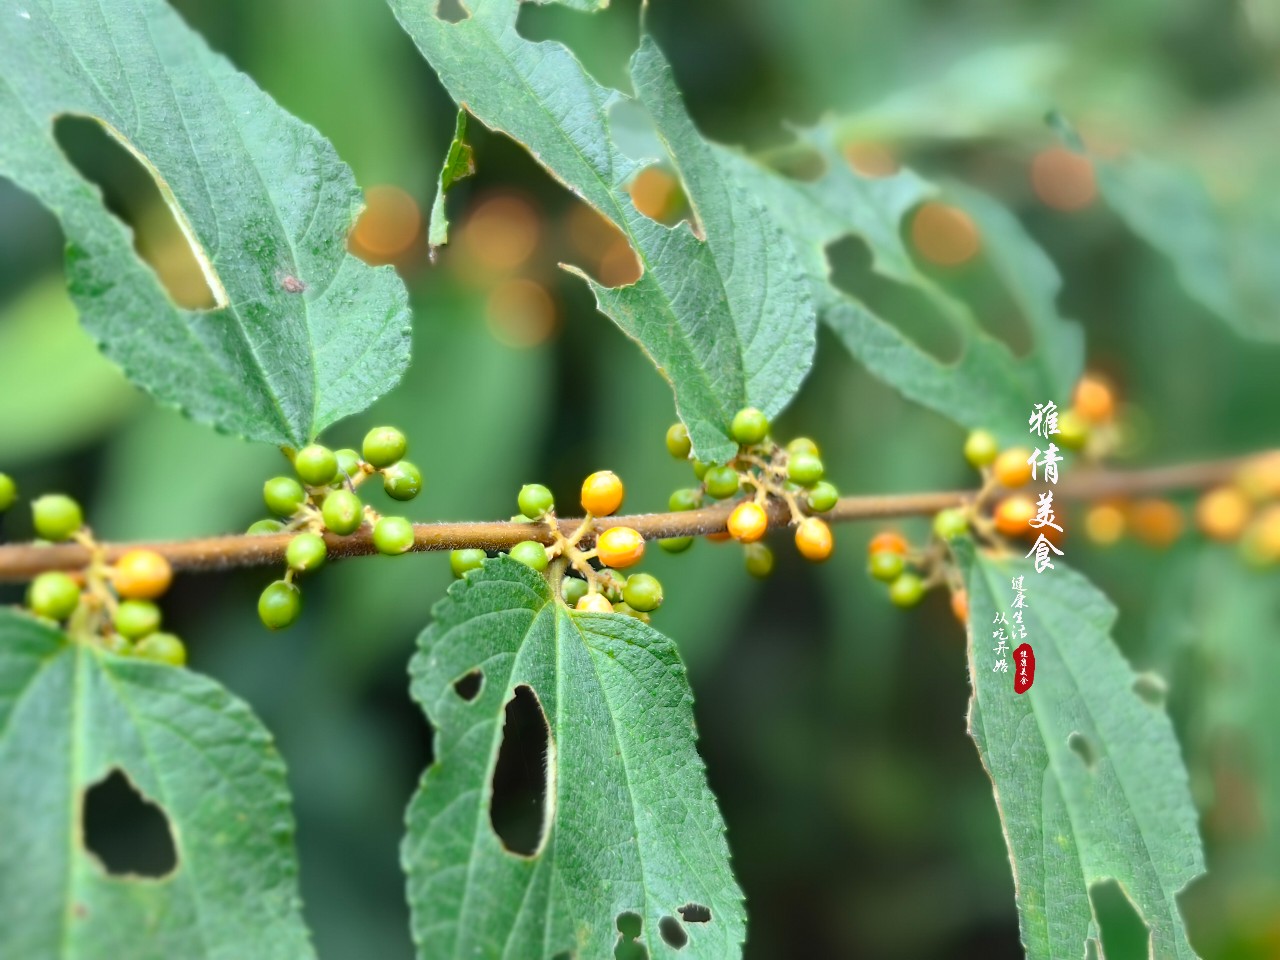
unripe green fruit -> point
(759, 560)
(342, 512)
(885, 565)
(643, 592)
(306, 551)
(906, 591)
(393, 535)
(53, 595)
(612, 583)
(162, 648)
(950, 523)
(981, 449)
(137, 618)
(675, 544)
(348, 462)
(700, 469)
(749, 426)
(823, 496)
(283, 496)
(402, 481)
(804, 468)
(117, 644)
(627, 610)
(316, 465)
(802, 445)
(678, 443)
(686, 498)
(8, 492)
(573, 590)
(56, 517)
(535, 500)
(280, 605)
(1073, 431)
(383, 446)
(531, 553)
(264, 526)
(721, 482)
(461, 561)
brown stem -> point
(23, 561)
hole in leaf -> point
(629, 946)
(695, 913)
(600, 40)
(452, 11)
(672, 933)
(136, 194)
(1083, 748)
(1124, 933)
(126, 832)
(468, 686)
(563, 955)
(630, 924)
(1151, 688)
(521, 779)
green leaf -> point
(1125, 812)
(69, 715)
(630, 825)
(459, 163)
(725, 314)
(303, 333)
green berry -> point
(531, 553)
(802, 445)
(393, 535)
(348, 462)
(316, 465)
(629, 611)
(981, 449)
(402, 481)
(162, 648)
(383, 446)
(721, 482)
(283, 496)
(117, 644)
(573, 590)
(700, 469)
(535, 500)
(137, 618)
(686, 498)
(678, 443)
(280, 605)
(804, 469)
(749, 426)
(823, 496)
(342, 512)
(885, 565)
(759, 560)
(264, 526)
(461, 561)
(906, 591)
(306, 551)
(643, 592)
(56, 517)
(8, 492)
(612, 583)
(950, 523)
(53, 595)
(675, 544)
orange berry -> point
(1094, 400)
(620, 547)
(1157, 523)
(1222, 513)
(142, 575)
(813, 539)
(1012, 469)
(944, 234)
(1259, 477)
(748, 522)
(887, 541)
(594, 603)
(960, 605)
(1104, 524)
(602, 493)
(1013, 513)
(1261, 542)
(1063, 179)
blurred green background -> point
(860, 820)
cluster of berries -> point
(322, 497)
(768, 473)
(582, 585)
(112, 603)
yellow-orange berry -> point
(887, 541)
(620, 547)
(748, 522)
(594, 603)
(1157, 523)
(1011, 468)
(602, 493)
(960, 605)
(944, 234)
(813, 539)
(1222, 513)
(142, 575)
(1261, 542)
(1259, 477)
(1012, 515)
(1094, 399)
(1104, 524)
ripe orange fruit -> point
(748, 522)
(1013, 513)
(1259, 477)
(813, 539)
(602, 493)
(887, 541)
(944, 234)
(1011, 468)
(1157, 523)
(1222, 513)
(620, 547)
(142, 575)
(960, 605)
(1104, 524)
(1063, 179)
(594, 603)
(1261, 543)
(1094, 399)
